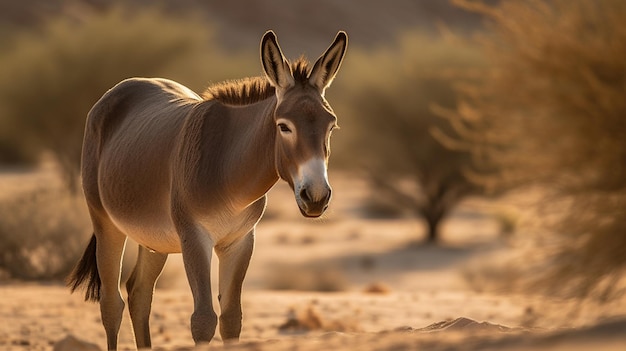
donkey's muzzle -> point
(312, 203)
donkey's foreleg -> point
(234, 260)
(197, 249)
(109, 252)
(140, 287)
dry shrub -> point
(591, 257)
(551, 110)
(51, 76)
(42, 233)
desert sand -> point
(344, 282)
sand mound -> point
(465, 324)
(458, 334)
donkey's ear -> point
(327, 65)
(275, 65)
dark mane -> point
(240, 92)
(301, 70)
(253, 89)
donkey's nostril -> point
(304, 195)
(328, 194)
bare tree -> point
(392, 125)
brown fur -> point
(183, 174)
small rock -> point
(377, 288)
(70, 343)
(21, 342)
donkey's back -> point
(130, 138)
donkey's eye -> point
(284, 128)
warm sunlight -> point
(178, 165)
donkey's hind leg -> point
(140, 287)
(109, 252)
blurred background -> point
(486, 136)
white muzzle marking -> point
(313, 175)
(311, 187)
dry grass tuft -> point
(310, 319)
(42, 233)
(497, 274)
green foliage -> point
(50, 77)
(551, 109)
(390, 94)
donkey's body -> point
(140, 174)
(177, 172)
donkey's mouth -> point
(312, 214)
(312, 209)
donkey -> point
(184, 173)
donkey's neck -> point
(250, 171)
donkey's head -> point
(304, 120)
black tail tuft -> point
(86, 273)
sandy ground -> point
(343, 283)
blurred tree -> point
(552, 110)
(50, 77)
(391, 93)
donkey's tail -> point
(85, 274)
